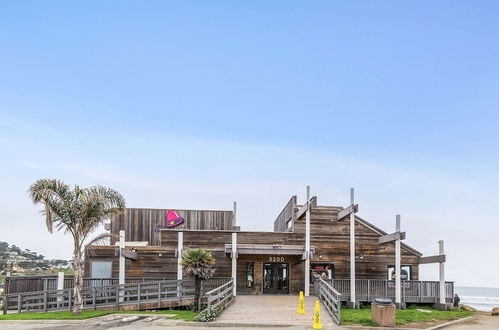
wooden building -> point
(264, 262)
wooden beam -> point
(301, 211)
(129, 254)
(267, 249)
(432, 259)
(345, 212)
(303, 208)
(392, 237)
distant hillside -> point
(24, 261)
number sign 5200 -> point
(276, 259)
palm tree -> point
(77, 211)
(198, 264)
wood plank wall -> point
(287, 213)
(214, 242)
(331, 240)
(139, 224)
(153, 261)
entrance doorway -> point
(275, 277)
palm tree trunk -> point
(197, 292)
(78, 280)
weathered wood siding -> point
(287, 214)
(139, 224)
(331, 239)
(152, 261)
(214, 242)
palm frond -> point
(198, 263)
(99, 240)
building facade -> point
(261, 262)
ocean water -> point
(483, 299)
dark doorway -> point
(275, 278)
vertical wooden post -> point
(93, 298)
(234, 214)
(139, 292)
(352, 249)
(118, 298)
(45, 301)
(307, 246)
(159, 294)
(60, 287)
(180, 248)
(5, 304)
(19, 302)
(121, 278)
(70, 297)
(398, 298)
(442, 273)
(234, 260)
(368, 290)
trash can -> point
(383, 312)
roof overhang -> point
(274, 249)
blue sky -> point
(197, 104)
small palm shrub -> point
(199, 264)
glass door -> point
(275, 278)
(282, 278)
(268, 278)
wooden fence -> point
(331, 300)
(412, 291)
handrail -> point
(218, 288)
(331, 299)
(221, 295)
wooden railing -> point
(153, 293)
(412, 291)
(220, 296)
(331, 300)
(19, 284)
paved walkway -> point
(482, 321)
(273, 310)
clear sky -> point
(197, 104)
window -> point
(405, 273)
(250, 266)
(321, 270)
(101, 269)
(289, 225)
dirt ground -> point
(482, 321)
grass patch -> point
(179, 315)
(402, 317)
(53, 315)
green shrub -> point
(204, 316)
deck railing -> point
(412, 291)
(220, 296)
(18, 284)
(101, 296)
(331, 300)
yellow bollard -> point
(301, 304)
(317, 316)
